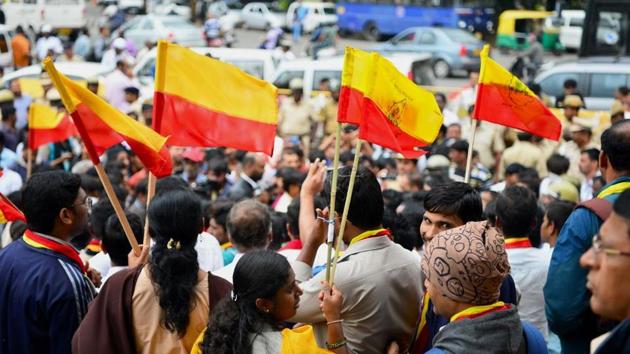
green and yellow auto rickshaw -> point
(515, 25)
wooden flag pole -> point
(29, 163)
(473, 134)
(120, 213)
(107, 184)
(346, 208)
(150, 193)
(333, 196)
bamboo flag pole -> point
(333, 196)
(473, 134)
(346, 208)
(150, 193)
(107, 184)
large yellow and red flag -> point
(47, 125)
(101, 126)
(503, 99)
(200, 101)
(9, 212)
(390, 109)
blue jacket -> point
(566, 297)
(618, 342)
(43, 298)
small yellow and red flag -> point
(503, 99)
(390, 109)
(202, 102)
(102, 126)
(47, 125)
(9, 212)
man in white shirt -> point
(48, 44)
(249, 228)
(117, 82)
(10, 181)
(117, 52)
(516, 217)
(589, 168)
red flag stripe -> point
(63, 131)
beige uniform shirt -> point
(150, 336)
(525, 153)
(571, 151)
(295, 118)
(381, 287)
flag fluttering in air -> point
(47, 125)
(102, 126)
(391, 110)
(200, 101)
(503, 99)
(9, 212)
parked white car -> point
(414, 66)
(168, 7)
(153, 28)
(571, 23)
(260, 16)
(319, 13)
(56, 13)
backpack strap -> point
(600, 207)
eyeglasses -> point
(598, 248)
(87, 202)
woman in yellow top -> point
(265, 295)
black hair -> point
(45, 194)
(101, 211)
(441, 95)
(220, 211)
(294, 150)
(516, 211)
(174, 222)
(623, 90)
(91, 184)
(558, 212)
(536, 88)
(408, 223)
(366, 205)
(490, 213)
(346, 157)
(529, 177)
(293, 213)
(455, 198)
(460, 145)
(514, 168)
(570, 83)
(392, 198)
(218, 165)
(142, 187)
(249, 224)
(593, 154)
(621, 207)
(258, 275)
(616, 145)
(316, 154)
(558, 164)
(115, 241)
(292, 177)
(522, 136)
(249, 159)
(279, 234)
(170, 183)
(7, 112)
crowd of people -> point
(530, 256)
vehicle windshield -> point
(329, 10)
(460, 36)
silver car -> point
(176, 29)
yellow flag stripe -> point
(193, 77)
(41, 116)
(73, 94)
(494, 74)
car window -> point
(604, 85)
(459, 36)
(319, 75)
(552, 85)
(283, 80)
(406, 37)
(576, 22)
(235, 6)
(330, 11)
(253, 67)
(176, 22)
(427, 38)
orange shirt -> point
(21, 50)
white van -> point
(60, 14)
(414, 66)
(319, 13)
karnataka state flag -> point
(9, 212)
(47, 125)
(391, 110)
(101, 126)
(503, 99)
(200, 101)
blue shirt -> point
(8, 159)
(21, 105)
(82, 46)
(44, 298)
(566, 296)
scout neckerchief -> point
(518, 242)
(371, 234)
(34, 240)
(478, 311)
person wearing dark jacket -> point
(44, 284)
(608, 261)
(247, 186)
(161, 307)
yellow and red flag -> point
(503, 99)
(47, 125)
(200, 101)
(390, 109)
(9, 212)
(102, 126)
